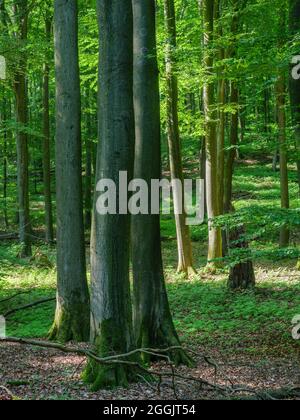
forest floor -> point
(247, 334)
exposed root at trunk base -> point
(187, 271)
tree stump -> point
(241, 275)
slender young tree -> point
(185, 257)
(221, 91)
(46, 133)
(20, 88)
(88, 169)
(111, 314)
(284, 179)
(4, 115)
(153, 323)
(234, 126)
(212, 189)
(281, 93)
(72, 310)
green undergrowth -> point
(206, 314)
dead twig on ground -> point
(226, 391)
(14, 296)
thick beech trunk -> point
(72, 311)
(111, 321)
(153, 322)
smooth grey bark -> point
(111, 314)
(72, 311)
(21, 95)
(153, 324)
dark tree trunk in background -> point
(242, 274)
(185, 258)
(111, 315)
(20, 88)
(72, 310)
(46, 138)
(153, 323)
(294, 24)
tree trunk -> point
(212, 180)
(284, 180)
(221, 89)
(229, 168)
(153, 324)
(46, 140)
(88, 173)
(20, 89)
(294, 24)
(72, 311)
(111, 317)
(185, 258)
(3, 119)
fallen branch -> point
(14, 296)
(30, 305)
